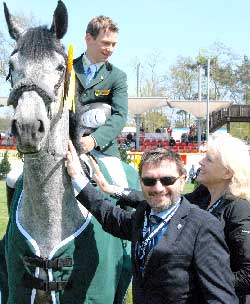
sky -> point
(170, 27)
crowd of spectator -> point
(7, 140)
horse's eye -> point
(60, 68)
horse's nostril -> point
(41, 128)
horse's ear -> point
(60, 20)
(15, 29)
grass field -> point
(3, 209)
(188, 188)
(4, 218)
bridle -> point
(28, 84)
(47, 95)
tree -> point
(151, 82)
(154, 119)
(181, 81)
(182, 84)
(240, 130)
(5, 165)
(242, 75)
(223, 64)
(222, 80)
(229, 78)
(181, 120)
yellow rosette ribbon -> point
(70, 81)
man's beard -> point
(169, 200)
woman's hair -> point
(156, 156)
(234, 155)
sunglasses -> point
(165, 181)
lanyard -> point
(219, 202)
(165, 220)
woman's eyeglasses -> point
(165, 181)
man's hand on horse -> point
(73, 163)
(87, 143)
(100, 179)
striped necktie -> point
(154, 221)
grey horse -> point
(55, 251)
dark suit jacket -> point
(189, 265)
(108, 86)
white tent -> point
(139, 105)
(199, 108)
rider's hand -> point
(87, 143)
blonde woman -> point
(225, 171)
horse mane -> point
(39, 42)
(72, 124)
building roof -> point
(139, 105)
(199, 108)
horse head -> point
(37, 68)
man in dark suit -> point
(178, 250)
(102, 82)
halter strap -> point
(47, 286)
(55, 264)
